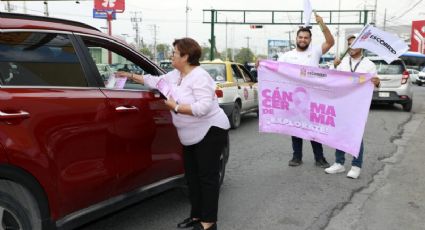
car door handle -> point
(126, 109)
(20, 114)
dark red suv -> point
(73, 146)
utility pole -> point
(226, 42)
(8, 8)
(385, 19)
(154, 42)
(233, 42)
(289, 39)
(25, 7)
(46, 9)
(247, 41)
(187, 18)
(375, 13)
(338, 29)
(135, 20)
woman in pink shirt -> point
(202, 127)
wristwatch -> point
(176, 109)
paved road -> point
(261, 192)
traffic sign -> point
(256, 26)
(103, 14)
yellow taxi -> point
(236, 89)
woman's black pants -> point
(202, 164)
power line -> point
(407, 11)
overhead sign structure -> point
(103, 14)
(110, 5)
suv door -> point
(54, 124)
(146, 148)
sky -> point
(168, 18)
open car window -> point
(110, 58)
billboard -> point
(274, 47)
(417, 39)
(109, 5)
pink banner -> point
(327, 106)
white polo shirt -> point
(363, 65)
(309, 57)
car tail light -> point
(405, 77)
(219, 93)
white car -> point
(395, 84)
(413, 75)
(421, 77)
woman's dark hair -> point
(304, 29)
(191, 48)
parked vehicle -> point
(166, 65)
(105, 71)
(72, 150)
(420, 80)
(395, 84)
(413, 75)
(237, 89)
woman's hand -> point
(123, 74)
(131, 76)
(171, 103)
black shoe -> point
(199, 226)
(187, 223)
(295, 162)
(322, 163)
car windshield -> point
(216, 71)
(396, 67)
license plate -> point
(384, 94)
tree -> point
(146, 51)
(205, 53)
(163, 51)
(244, 55)
(229, 55)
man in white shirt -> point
(307, 54)
(355, 62)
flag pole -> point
(320, 24)
(348, 48)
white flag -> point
(386, 45)
(307, 13)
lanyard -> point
(357, 65)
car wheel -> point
(235, 117)
(419, 84)
(224, 157)
(18, 208)
(408, 106)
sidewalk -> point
(396, 198)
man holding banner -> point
(355, 62)
(309, 55)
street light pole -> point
(187, 17)
(338, 29)
(226, 41)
